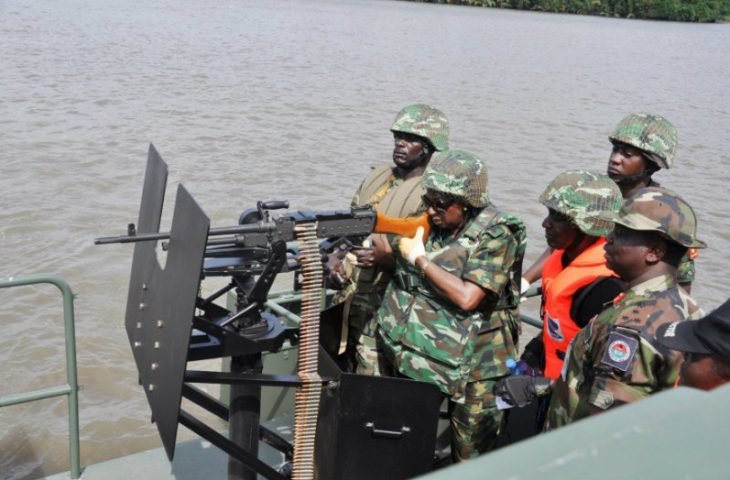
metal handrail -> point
(276, 298)
(535, 290)
(71, 388)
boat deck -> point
(195, 459)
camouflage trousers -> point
(362, 349)
(476, 423)
(357, 318)
(361, 307)
(370, 358)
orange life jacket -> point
(559, 285)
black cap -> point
(709, 335)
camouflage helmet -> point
(424, 121)
(652, 134)
(583, 196)
(460, 174)
(658, 209)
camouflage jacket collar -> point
(654, 284)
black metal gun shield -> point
(150, 212)
(160, 312)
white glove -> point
(412, 248)
(524, 285)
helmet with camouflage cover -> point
(424, 121)
(652, 134)
(658, 209)
(460, 174)
(582, 196)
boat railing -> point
(535, 290)
(277, 300)
(71, 388)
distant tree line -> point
(678, 10)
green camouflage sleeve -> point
(648, 372)
(490, 263)
(624, 371)
(686, 270)
(627, 366)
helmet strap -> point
(426, 148)
(426, 151)
(581, 242)
(420, 167)
(634, 179)
(629, 182)
(424, 159)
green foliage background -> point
(678, 10)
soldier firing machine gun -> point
(169, 324)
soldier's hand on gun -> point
(365, 256)
(336, 278)
(374, 251)
(412, 248)
(522, 390)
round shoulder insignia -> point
(619, 351)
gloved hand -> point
(524, 285)
(412, 248)
(522, 390)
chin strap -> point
(632, 180)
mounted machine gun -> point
(168, 324)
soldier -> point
(706, 348)
(450, 314)
(642, 145)
(576, 281)
(616, 359)
(418, 131)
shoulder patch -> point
(620, 351)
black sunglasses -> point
(438, 203)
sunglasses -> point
(438, 203)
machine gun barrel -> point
(353, 222)
(132, 237)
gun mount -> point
(168, 324)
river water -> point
(282, 99)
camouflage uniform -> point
(429, 339)
(657, 138)
(395, 197)
(616, 358)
